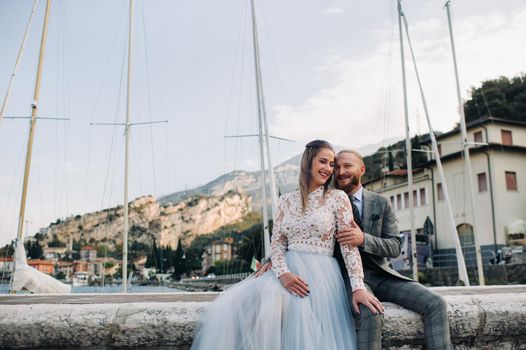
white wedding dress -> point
(258, 313)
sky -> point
(331, 70)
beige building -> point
(217, 251)
(498, 158)
(54, 253)
(88, 253)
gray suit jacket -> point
(382, 238)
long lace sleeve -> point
(351, 255)
(278, 245)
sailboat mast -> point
(18, 59)
(266, 233)
(273, 196)
(32, 124)
(32, 127)
(266, 133)
(408, 149)
(465, 148)
(127, 146)
(462, 272)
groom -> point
(375, 232)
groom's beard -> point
(355, 181)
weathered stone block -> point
(478, 320)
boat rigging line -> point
(18, 60)
(127, 126)
(462, 272)
(465, 147)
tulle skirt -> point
(258, 313)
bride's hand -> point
(294, 284)
(362, 296)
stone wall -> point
(479, 319)
(493, 274)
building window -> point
(439, 150)
(393, 202)
(440, 192)
(477, 137)
(406, 200)
(415, 198)
(506, 137)
(483, 184)
(465, 235)
(511, 181)
(423, 199)
(399, 201)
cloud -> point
(340, 113)
(354, 110)
(334, 11)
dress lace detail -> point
(314, 230)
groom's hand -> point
(351, 237)
(264, 268)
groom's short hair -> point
(351, 151)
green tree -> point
(153, 259)
(501, 98)
(418, 158)
(167, 258)
(180, 267)
(102, 250)
(518, 110)
(60, 275)
(34, 250)
(7, 251)
(390, 160)
(38, 252)
(56, 242)
(29, 248)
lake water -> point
(4, 289)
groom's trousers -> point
(410, 295)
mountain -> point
(150, 219)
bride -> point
(302, 302)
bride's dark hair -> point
(311, 150)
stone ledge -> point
(478, 320)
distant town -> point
(83, 265)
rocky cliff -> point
(149, 219)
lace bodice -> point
(314, 230)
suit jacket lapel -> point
(367, 210)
